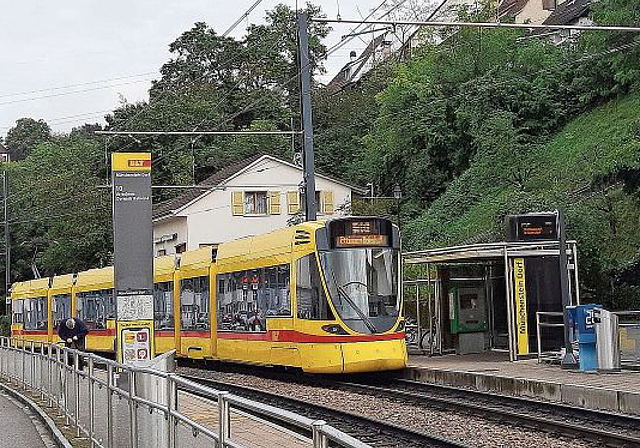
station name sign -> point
(133, 253)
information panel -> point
(133, 250)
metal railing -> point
(544, 319)
(102, 402)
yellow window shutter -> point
(327, 206)
(237, 203)
(274, 203)
(293, 202)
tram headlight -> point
(334, 329)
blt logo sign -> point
(589, 319)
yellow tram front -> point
(358, 268)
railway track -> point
(374, 432)
(608, 428)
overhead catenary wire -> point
(70, 86)
(241, 18)
(525, 26)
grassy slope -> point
(593, 144)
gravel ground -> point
(468, 429)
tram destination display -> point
(360, 233)
(532, 227)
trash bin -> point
(607, 340)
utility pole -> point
(569, 360)
(307, 120)
(4, 158)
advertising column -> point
(133, 253)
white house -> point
(254, 196)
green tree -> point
(25, 136)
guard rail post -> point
(2, 356)
(32, 365)
(65, 385)
(538, 336)
(224, 419)
(23, 351)
(49, 375)
(110, 406)
(171, 404)
(76, 386)
(91, 402)
(319, 438)
(58, 375)
(133, 414)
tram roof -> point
(486, 252)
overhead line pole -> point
(524, 26)
(309, 180)
(7, 236)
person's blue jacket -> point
(79, 330)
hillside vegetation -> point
(575, 169)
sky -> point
(70, 62)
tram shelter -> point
(487, 297)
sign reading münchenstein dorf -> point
(133, 250)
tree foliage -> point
(25, 136)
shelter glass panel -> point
(163, 310)
(194, 304)
(61, 308)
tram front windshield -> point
(363, 285)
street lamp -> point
(397, 192)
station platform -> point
(493, 372)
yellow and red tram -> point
(321, 296)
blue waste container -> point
(587, 336)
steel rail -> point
(385, 433)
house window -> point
(255, 203)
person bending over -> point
(73, 333)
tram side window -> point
(61, 308)
(35, 314)
(95, 307)
(194, 303)
(247, 298)
(310, 296)
(163, 313)
(18, 312)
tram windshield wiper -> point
(356, 308)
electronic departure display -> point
(532, 227)
(363, 232)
